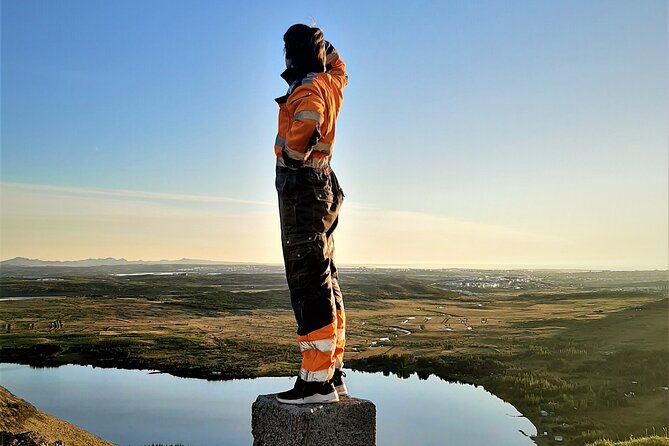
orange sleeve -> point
(335, 66)
(307, 108)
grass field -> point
(583, 355)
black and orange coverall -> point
(309, 201)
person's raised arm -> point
(334, 65)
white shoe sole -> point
(313, 399)
(342, 390)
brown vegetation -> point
(588, 349)
(22, 424)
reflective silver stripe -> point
(323, 147)
(310, 115)
(310, 162)
(332, 56)
(340, 334)
(317, 162)
(309, 79)
(320, 375)
(323, 345)
(279, 141)
(294, 154)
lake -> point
(139, 407)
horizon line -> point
(424, 266)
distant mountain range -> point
(22, 261)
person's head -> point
(304, 48)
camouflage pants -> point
(309, 203)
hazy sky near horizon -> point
(483, 133)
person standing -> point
(310, 198)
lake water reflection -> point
(137, 407)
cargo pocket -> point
(337, 186)
(297, 253)
(304, 253)
(296, 240)
(325, 195)
(326, 207)
(299, 248)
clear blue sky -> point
(541, 118)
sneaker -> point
(306, 392)
(338, 382)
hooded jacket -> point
(308, 113)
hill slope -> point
(18, 416)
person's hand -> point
(328, 48)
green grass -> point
(571, 344)
(646, 441)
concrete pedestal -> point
(350, 422)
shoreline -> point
(479, 375)
(214, 376)
(581, 357)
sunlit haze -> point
(473, 134)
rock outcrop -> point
(21, 424)
(350, 422)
